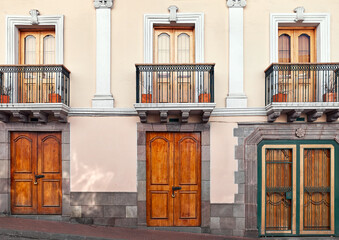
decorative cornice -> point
(103, 3)
(236, 3)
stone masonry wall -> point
(102, 208)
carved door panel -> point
(36, 184)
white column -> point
(103, 97)
(236, 97)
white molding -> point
(217, 112)
(321, 20)
(236, 97)
(13, 23)
(189, 18)
(103, 97)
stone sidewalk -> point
(12, 228)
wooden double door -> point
(173, 171)
(297, 192)
(36, 180)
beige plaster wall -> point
(257, 39)
(103, 154)
(223, 163)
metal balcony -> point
(296, 88)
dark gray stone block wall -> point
(105, 208)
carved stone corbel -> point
(332, 116)
(41, 116)
(273, 115)
(4, 117)
(143, 116)
(23, 117)
(299, 14)
(103, 3)
(293, 115)
(61, 116)
(184, 116)
(236, 3)
(34, 13)
(314, 115)
(163, 116)
(206, 116)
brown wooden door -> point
(297, 46)
(173, 160)
(34, 154)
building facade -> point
(205, 116)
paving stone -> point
(131, 211)
(92, 211)
(240, 233)
(226, 232)
(221, 210)
(115, 211)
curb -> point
(49, 236)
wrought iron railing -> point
(301, 82)
(174, 83)
(34, 84)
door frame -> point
(64, 128)
(297, 146)
(204, 130)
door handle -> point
(36, 177)
(175, 189)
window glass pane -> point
(163, 48)
(183, 48)
(284, 48)
(30, 55)
(49, 50)
(304, 54)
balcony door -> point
(297, 46)
(36, 48)
(173, 46)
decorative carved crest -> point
(173, 13)
(34, 13)
(103, 3)
(300, 14)
(300, 133)
(236, 3)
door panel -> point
(173, 160)
(23, 168)
(317, 189)
(49, 165)
(187, 169)
(36, 154)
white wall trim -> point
(13, 23)
(190, 18)
(322, 20)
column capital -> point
(103, 3)
(236, 3)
